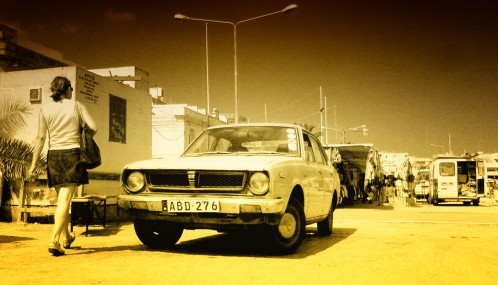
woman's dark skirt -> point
(64, 168)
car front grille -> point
(197, 181)
(168, 179)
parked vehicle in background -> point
(422, 190)
(422, 185)
(491, 176)
(455, 179)
(270, 178)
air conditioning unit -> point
(35, 95)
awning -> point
(356, 155)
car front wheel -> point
(288, 235)
(157, 234)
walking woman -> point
(60, 119)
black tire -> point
(157, 234)
(325, 227)
(475, 202)
(287, 236)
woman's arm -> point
(85, 116)
(39, 142)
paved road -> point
(446, 244)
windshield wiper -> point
(215, 152)
(270, 152)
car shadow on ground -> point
(375, 206)
(246, 244)
(78, 250)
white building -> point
(123, 115)
(175, 126)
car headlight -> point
(259, 183)
(135, 181)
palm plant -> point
(15, 158)
(15, 155)
(13, 112)
(310, 128)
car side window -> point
(308, 149)
(319, 156)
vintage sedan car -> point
(271, 178)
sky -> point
(421, 75)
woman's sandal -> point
(55, 249)
(67, 243)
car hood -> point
(212, 162)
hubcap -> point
(287, 226)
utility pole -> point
(321, 115)
(449, 143)
(335, 122)
(208, 107)
(266, 115)
(326, 119)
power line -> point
(168, 139)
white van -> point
(455, 179)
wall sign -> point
(87, 87)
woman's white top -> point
(63, 124)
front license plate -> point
(191, 206)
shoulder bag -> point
(90, 152)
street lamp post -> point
(208, 108)
(234, 25)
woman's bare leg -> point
(61, 217)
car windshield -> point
(248, 140)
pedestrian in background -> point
(382, 192)
(60, 119)
(390, 191)
(398, 184)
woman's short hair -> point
(59, 87)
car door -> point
(325, 181)
(314, 180)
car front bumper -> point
(233, 210)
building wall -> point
(103, 98)
(168, 134)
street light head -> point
(289, 8)
(182, 18)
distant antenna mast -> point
(266, 115)
(449, 143)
